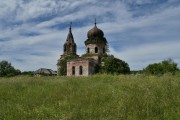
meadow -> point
(99, 97)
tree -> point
(6, 69)
(160, 68)
(27, 73)
(114, 65)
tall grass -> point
(100, 97)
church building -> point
(96, 44)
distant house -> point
(44, 71)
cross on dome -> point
(95, 22)
(70, 26)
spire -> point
(70, 35)
(70, 26)
(70, 45)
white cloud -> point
(155, 35)
(7, 6)
(36, 8)
(140, 56)
(139, 2)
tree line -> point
(166, 66)
(111, 65)
(7, 70)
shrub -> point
(7, 70)
(114, 65)
(30, 73)
(166, 66)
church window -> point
(104, 50)
(64, 48)
(75, 49)
(87, 50)
(96, 50)
(73, 70)
(80, 70)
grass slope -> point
(100, 97)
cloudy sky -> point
(140, 32)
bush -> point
(30, 73)
(166, 66)
(114, 65)
(7, 70)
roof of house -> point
(45, 71)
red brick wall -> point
(77, 64)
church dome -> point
(95, 32)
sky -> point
(140, 32)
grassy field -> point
(99, 97)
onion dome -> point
(95, 32)
(95, 36)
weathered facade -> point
(80, 67)
(86, 65)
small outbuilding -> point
(45, 71)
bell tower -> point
(70, 46)
(69, 51)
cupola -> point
(95, 32)
(96, 43)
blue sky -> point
(140, 32)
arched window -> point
(80, 70)
(96, 50)
(75, 49)
(64, 48)
(73, 70)
(87, 50)
(104, 50)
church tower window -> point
(87, 50)
(74, 48)
(96, 50)
(104, 50)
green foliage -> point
(96, 40)
(135, 72)
(88, 55)
(99, 97)
(166, 66)
(30, 73)
(7, 70)
(101, 55)
(63, 67)
(114, 65)
(111, 65)
(63, 64)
